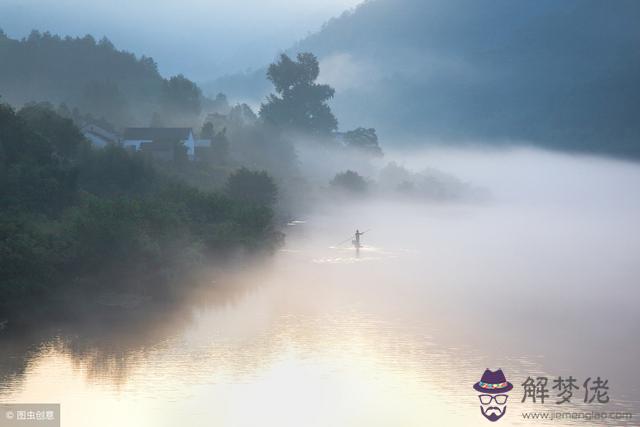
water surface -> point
(541, 280)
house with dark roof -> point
(161, 143)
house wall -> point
(133, 143)
(95, 140)
(190, 143)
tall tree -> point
(299, 103)
(181, 97)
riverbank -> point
(84, 222)
(399, 320)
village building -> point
(98, 136)
(165, 144)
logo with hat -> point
(493, 388)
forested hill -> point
(561, 74)
(92, 76)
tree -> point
(96, 77)
(220, 104)
(300, 103)
(364, 140)
(350, 181)
(252, 186)
(181, 97)
(242, 115)
(218, 152)
(105, 99)
(40, 152)
(207, 131)
(65, 139)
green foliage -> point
(287, 74)
(252, 186)
(26, 258)
(363, 140)
(62, 135)
(69, 212)
(181, 98)
(102, 81)
(82, 118)
(218, 152)
(113, 170)
(349, 181)
(300, 103)
(249, 142)
(105, 99)
(207, 131)
(39, 155)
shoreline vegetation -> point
(79, 220)
(116, 226)
(92, 229)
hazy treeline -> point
(97, 79)
(402, 184)
(293, 121)
(560, 75)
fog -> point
(551, 254)
(263, 264)
(548, 72)
(538, 279)
(190, 37)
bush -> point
(349, 181)
(252, 187)
(76, 217)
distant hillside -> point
(562, 74)
(92, 76)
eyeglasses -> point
(500, 399)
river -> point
(540, 281)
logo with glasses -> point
(493, 388)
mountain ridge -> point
(556, 74)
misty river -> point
(541, 280)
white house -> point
(98, 136)
(203, 143)
(134, 138)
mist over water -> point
(540, 278)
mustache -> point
(492, 408)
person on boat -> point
(356, 241)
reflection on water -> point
(349, 255)
(395, 336)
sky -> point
(202, 39)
